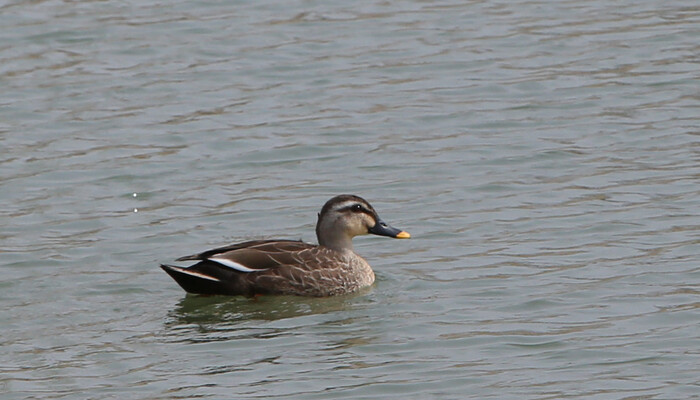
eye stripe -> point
(352, 208)
(363, 210)
(346, 206)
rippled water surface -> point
(544, 155)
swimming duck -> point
(288, 266)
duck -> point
(292, 267)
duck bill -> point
(381, 228)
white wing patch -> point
(234, 265)
(198, 275)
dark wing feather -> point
(263, 245)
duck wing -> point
(236, 269)
(266, 246)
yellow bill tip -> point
(403, 235)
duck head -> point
(346, 216)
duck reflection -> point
(212, 318)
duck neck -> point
(336, 242)
(332, 238)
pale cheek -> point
(356, 228)
(366, 226)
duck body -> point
(291, 267)
(277, 267)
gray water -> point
(545, 156)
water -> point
(544, 156)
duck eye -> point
(357, 207)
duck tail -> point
(194, 281)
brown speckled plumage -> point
(288, 266)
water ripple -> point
(543, 156)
